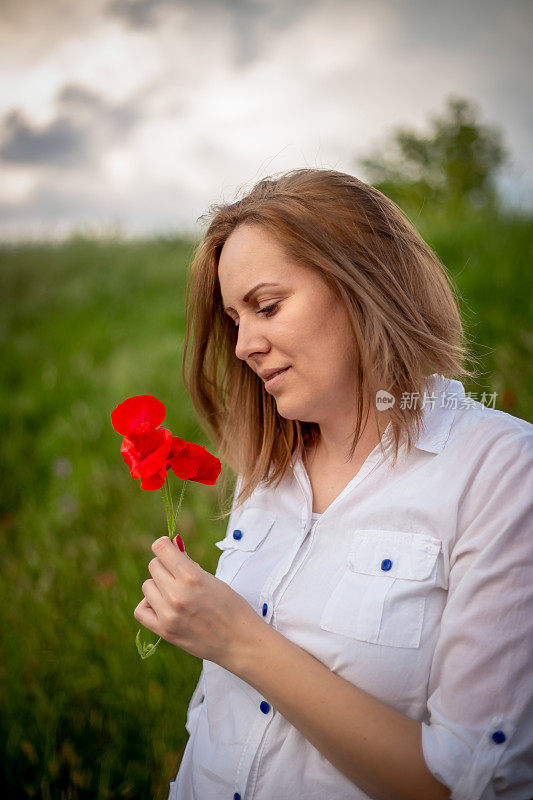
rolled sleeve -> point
(479, 739)
(467, 760)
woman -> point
(369, 629)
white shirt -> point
(415, 584)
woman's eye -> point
(268, 311)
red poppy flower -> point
(146, 454)
(145, 446)
(149, 451)
(157, 479)
(193, 462)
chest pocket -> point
(244, 535)
(381, 595)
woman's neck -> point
(333, 455)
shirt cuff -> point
(465, 759)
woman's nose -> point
(249, 340)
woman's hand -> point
(192, 609)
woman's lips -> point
(272, 382)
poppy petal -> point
(141, 410)
(211, 468)
(178, 444)
(154, 482)
(208, 467)
(185, 468)
(129, 454)
(146, 454)
(152, 451)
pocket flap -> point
(396, 554)
(248, 530)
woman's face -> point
(298, 323)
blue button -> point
(237, 534)
(499, 737)
(265, 609)
(236, 796)
(265, 708)
(386, 564)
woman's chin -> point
(291, 410)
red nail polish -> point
(179, 541)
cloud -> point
(84, 123)
(139, 13)
(32, 29)
(147, 111)
(251, 25)
(58, 143)
(88, 107)
(86, 202)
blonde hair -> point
(402, 305)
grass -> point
(84, 324)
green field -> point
(86, 323)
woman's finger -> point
(171, 556)
(146, 615)
(164, 580)
(153, 595)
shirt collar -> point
(439, 403)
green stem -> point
(168, 505)
(171, 507)
(147, 649)
(175, 518)
(182, 494)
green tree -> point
(454, 164)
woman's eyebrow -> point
(249, 294)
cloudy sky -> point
(141, 113)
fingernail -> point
(179, 541)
